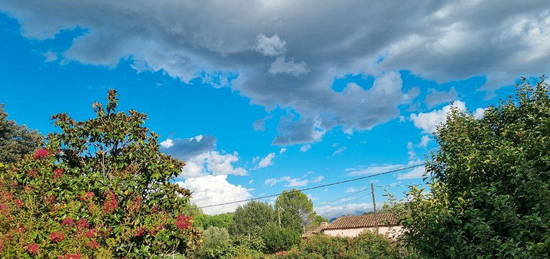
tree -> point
(15, 140)
(490, 186)
(205, 221)
(278, 238)
(99, 188)
(294, 210)
(251, 218)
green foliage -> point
(15, 140)
(279, 238)
(215, 237)
(316, 222)
(251, 218)
(205, 221)
(235, 247)
(294, 210)
(366, 245)
(491, 184)
(99, 188)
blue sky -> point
(257, 104)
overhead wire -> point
(315, 187)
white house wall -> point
(391, 232)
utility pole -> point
(374, 206)
(373, 200)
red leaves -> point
(82, 224)
(69, 222)
(57, 173)
(87, 196)
(19, 203)
(70, 256)
(57, 236)
(90, 233)
(33, 249)
(111, 203)
(32, 173)
(183, 222)
(40, 153)
(139, 232)
(92, 244)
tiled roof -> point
(363, 221)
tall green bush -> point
(278, 238)
(490, 192)
(99, 189)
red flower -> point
(183, 222)
(92, 244)
(139, 232)
(90, 233)
(21, 229)
(33, 248)
(68, 222)
(40, 153)
(58, 172)
(82, 223)
(19, 203)
(3, 208)
(57, 236)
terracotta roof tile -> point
(363, 221)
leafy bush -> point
(251, 218)
(15, 140)
(491, 184)
(215, 237)
(98, 188)
(366, 245)
(205, 221)
(279, 238)
(237, 247)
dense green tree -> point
(294, 210)
(278, 238)
(317, 220)
(99, 188)
(205, 221)
(15, 140)
(490, 190)
(251, 218)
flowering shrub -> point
(97, 189)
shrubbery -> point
(98, 188)
(279, 238)
(366, 245)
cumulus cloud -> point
(415, 173)
(282, 151)
(205, 171)
(442, 41)
(479, 113)
(318, 179)
(215, 189)
(429, 121)
(266, 161)
(290, 182)
(270, 46)
(282, 66)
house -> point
(351, 226)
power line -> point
(315, 187)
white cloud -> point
(352, 189)
(168, 143)
(266, 161)
(417, 172)
(282, 66)
(282, 151)
(339, 150)
(50, 56)
(290, 182)
(270, 46)
(318, 179)
(215, 189)
(305, 148)
(330, 211)
(371, 170)
(410, 150)
(424, 141)
(213, 163)
(429, 121)
(479, 113)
